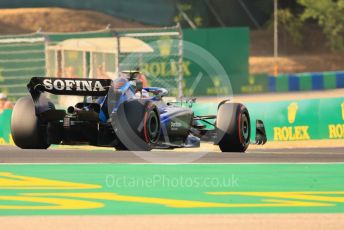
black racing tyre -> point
(233, 127)
(137, 125)
(118, 145)
(27, 132)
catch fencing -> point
(21, 57)
(95, 54)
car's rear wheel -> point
(137, 125)
(26, 129)
(233, 127)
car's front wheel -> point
(233, 128)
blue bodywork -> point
(170, 114)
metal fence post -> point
(180, 62)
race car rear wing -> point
(68, 86)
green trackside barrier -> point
(305, 82)
(255, 83)
(233, 57)
(296, 120)
(5, 130)
(282, 84)
(329, 80)
(332, 118)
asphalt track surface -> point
(10, 154)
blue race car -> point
(124, 115)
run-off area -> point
(84, 189)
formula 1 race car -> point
(124, 115)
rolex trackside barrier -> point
(295, 120)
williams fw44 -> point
(124, 115)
